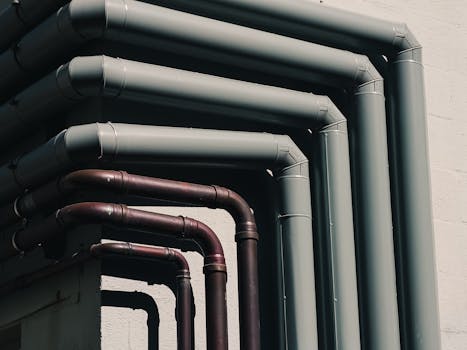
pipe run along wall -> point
(84, 77)
(181, 228)
(413, 222)
(184, 295)
(246, 236)
(81, 145)
(223, 42)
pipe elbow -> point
(329, 113)
(91, 213)
(91, 18)
(88, 142)
(92, 178)
(236, 205)
(206, 238)
(91, 76)
(404, 39)
(180, 261)
(289, 154)
(367, 79)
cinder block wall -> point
(440, 25)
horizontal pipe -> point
(211, 196)
(136, 300)
(184, 295)
(80, 145)
(142, 24)
(105, 213)
(103, 76)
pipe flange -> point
(244, 235)
(208, 268)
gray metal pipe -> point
(138, 23)
(84, 77)
(103, 143)
(413, 222)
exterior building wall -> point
(440, 25)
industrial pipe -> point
(265, 52)
(246, 235)
(136, 300)
(409, 165)
(84, 77)
(182, 227)
(141, 24)
(184, 296)
(338, 28)
(80, 145)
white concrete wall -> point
(440, 25)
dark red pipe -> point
(210, 196)
(184, 295)
(182, 227)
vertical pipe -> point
(184, 311)
(414, 210)
(247, 264)
(370, 182)
(295, 218)
(338, 256)
(216, 322)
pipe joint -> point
(328, 112)
(339, 126)
(367, 76)
(413, 54)
(288, 154)
(403, 37)
(203, 235)
(235, 204)
(88, 18)
(246, 235)
(209, 268)
(86, 77)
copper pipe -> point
(182, 227)
(184, 294)
(246, 236)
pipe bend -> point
(89, 142)
(91, 212)
(208, 240)
(367, 76)
(87, 17)
(288, 154)
(404, 38)
(92, 178)
(236, 205)
(91, 76)
(329, 113)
